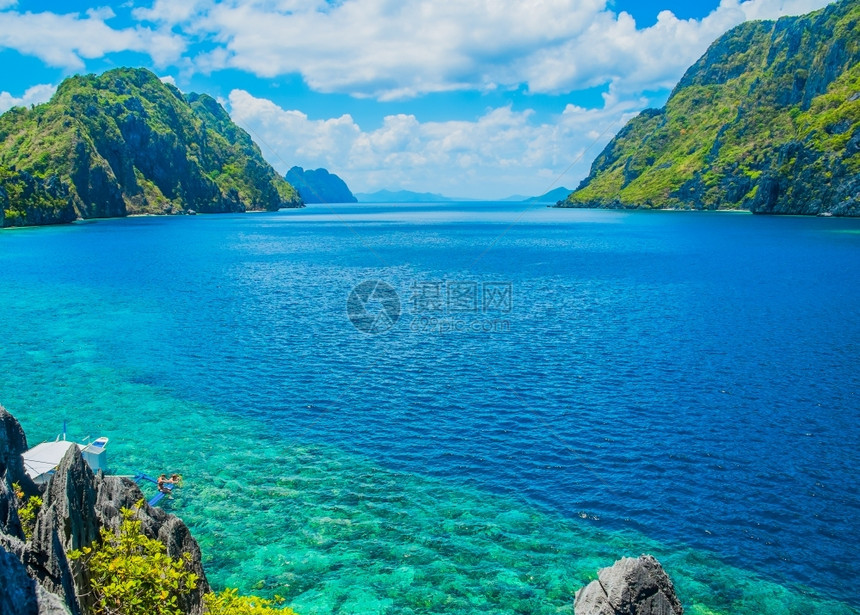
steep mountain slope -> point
(320, 186)
(125, 143)
(767, 120)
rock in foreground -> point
(632, 586)
(36, 575)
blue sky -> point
(471, 98)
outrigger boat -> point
(158, 496)
(42, 460)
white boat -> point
(42, 460)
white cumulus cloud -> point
(67, 40)
(500, 153)
(394, 49)
(390, 49)
(387, 49)
(33, 96)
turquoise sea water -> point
(674, 383)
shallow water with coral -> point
(679, 384)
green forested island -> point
(767, 120)
(125, 143)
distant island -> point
(319, 186)
(407, 196)
(401, 196)
(554, 195)
(125, 143)
(767, 120)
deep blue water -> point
(688, 378)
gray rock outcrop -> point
(37, 574)
(20, 594)
(13, 442)
(67, 521)
(631, 586)
(113, 493)
(17, 590)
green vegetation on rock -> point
(125, 143)
(767, 120)
(131, 574)
(27, 200)
(229, 602)
(28, 510)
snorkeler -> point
(162, 483)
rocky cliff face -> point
(13, 442)
(125, 143)
(21, 595)
(767, 120)
(320, 186)
(35, 575)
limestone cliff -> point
(125, 143)
(767, 120)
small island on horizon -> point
(319, 186)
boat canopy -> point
(41, 460)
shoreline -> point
(147, 215)
(694, 210)
(556, 206)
